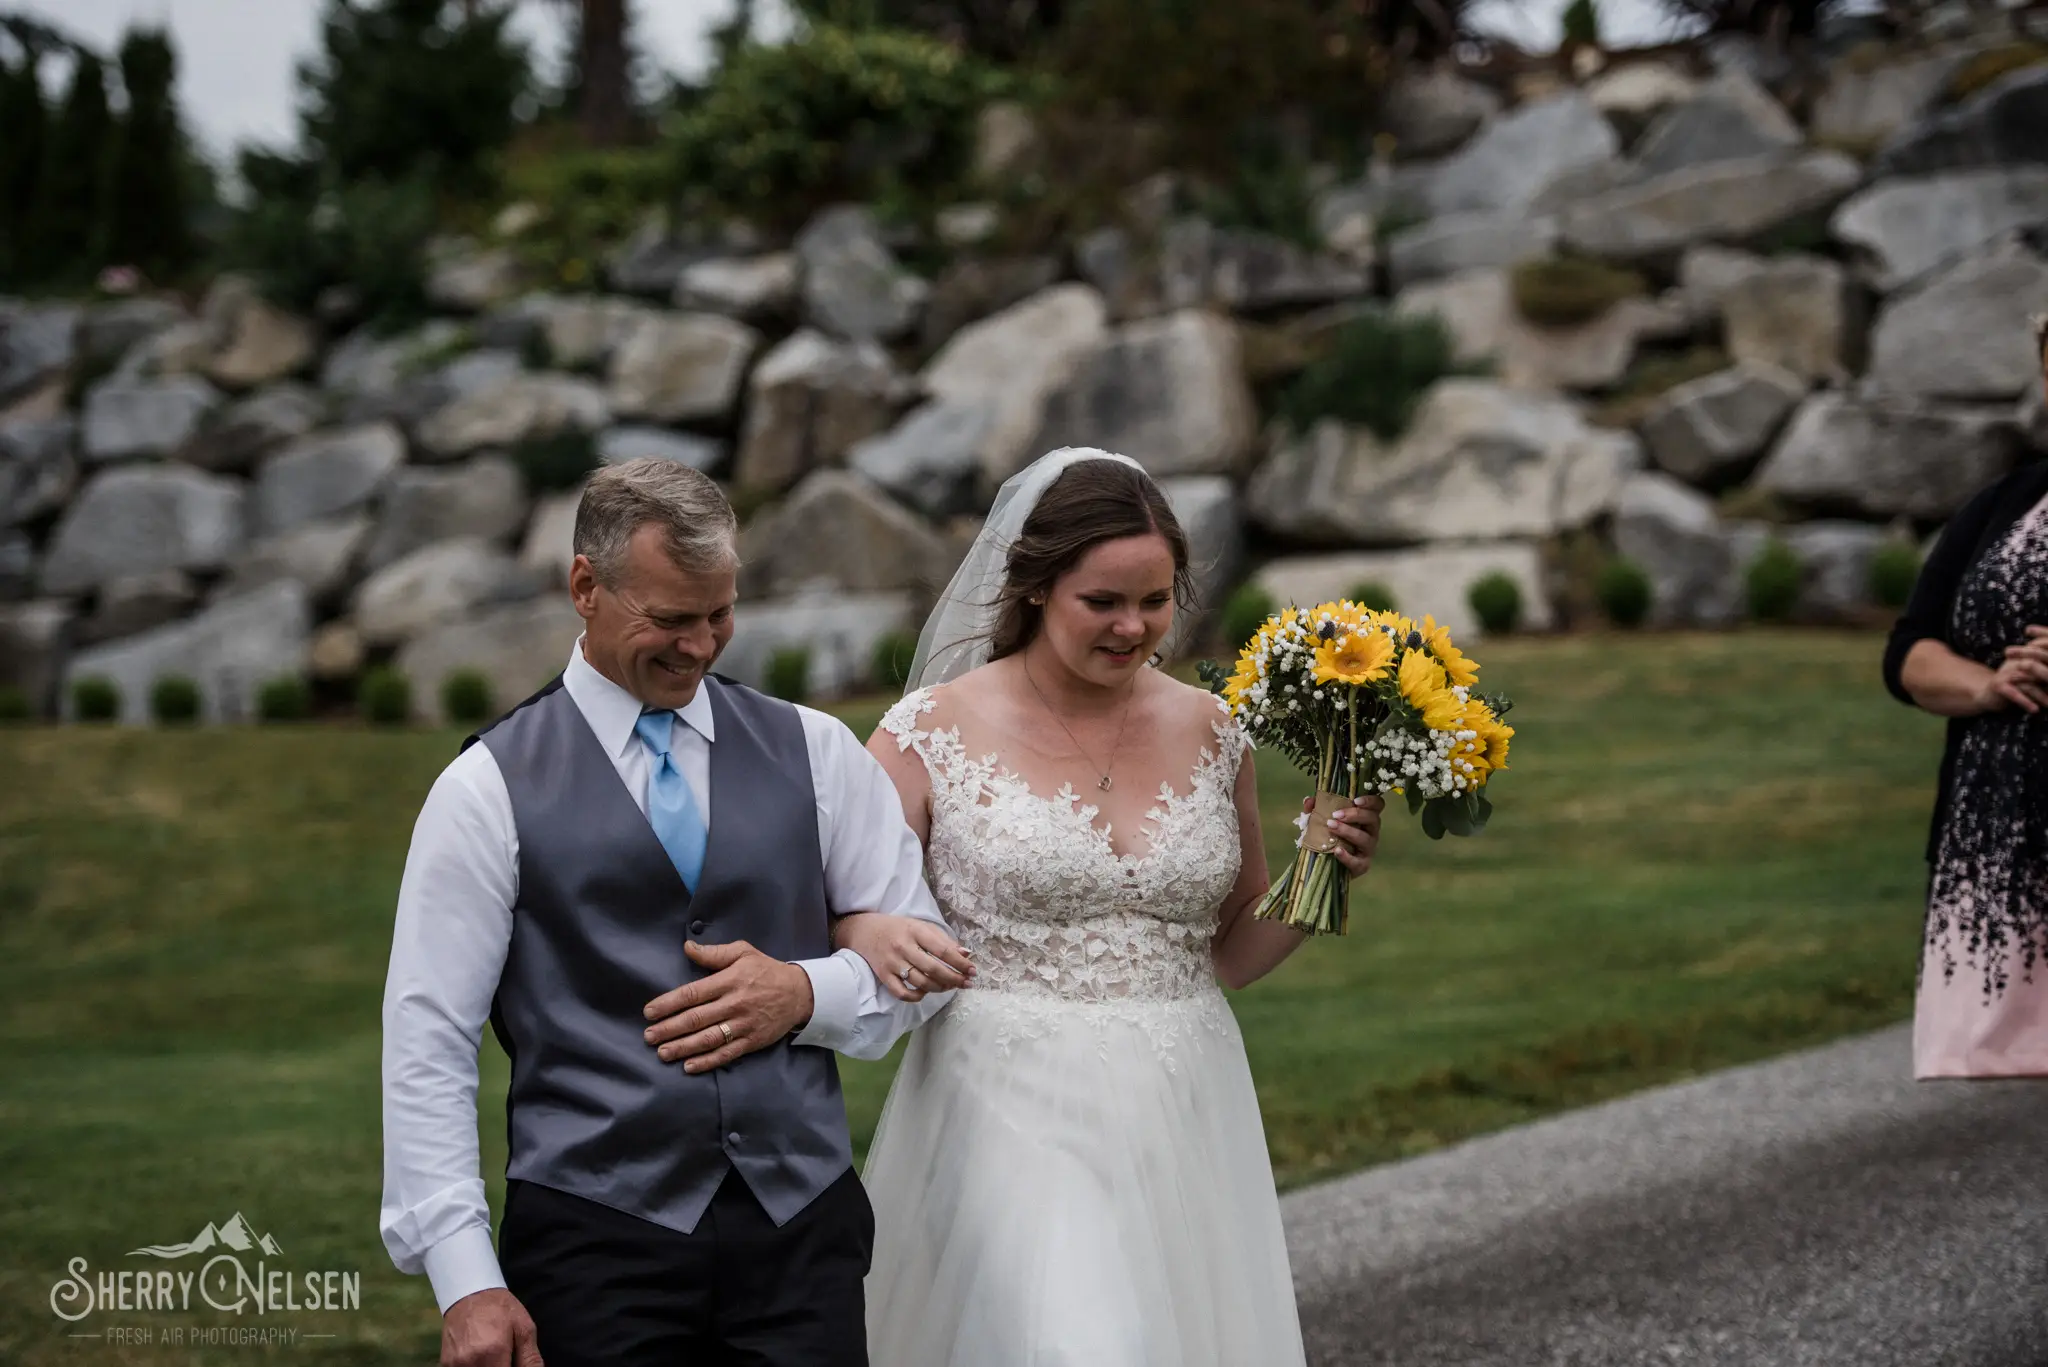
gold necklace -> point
(1103, 783)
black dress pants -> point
(607, 1288)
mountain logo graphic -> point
(236, 1234)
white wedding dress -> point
(1070, 1170)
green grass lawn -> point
(1707, 851)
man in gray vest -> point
(633, 875)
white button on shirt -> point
(454, 925)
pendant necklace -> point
(1103, 781)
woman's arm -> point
(1927, 611)
(1245, 949)
(1944, 683)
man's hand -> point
(489, 1329)
(749, 1002)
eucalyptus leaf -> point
(1433, 821)
(1414, 801)
(1455, 818)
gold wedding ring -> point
(725, 1030)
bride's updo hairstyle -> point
(1091, 502)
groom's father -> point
(632, 875)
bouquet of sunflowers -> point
(1368, 702)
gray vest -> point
(598, 932)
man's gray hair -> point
(697, 523)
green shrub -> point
(1893, 572)
(286, 698)
(15, 706)
(1496, 601)
(384, 697)
(1568, 291)
(1580, 23)
(1773, 581)
(1624, 592)
(1377, 369)
(95, 699)
(1244, 612)
(889, 666)
(303, 232)
(789, 674)
(555, 463)
(1375, 595)
(466, 697)
(833, 114)
(174, 701)
(589, 199)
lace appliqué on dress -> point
(1036, 891)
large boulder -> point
(1434, 581)
(140, 519)
(1835, 559)
(1013, 362)
(1518, 155)
(2005, 124)
(1464, 242)
(1480, 462)
(463, 278)
(1860, 106)
(260, 343)
(852, 285)
(37, 344)
(35, 639)
(1633, 95)
(1211, 517)
(1434, 111)
(1964, 333)
(38, 468)
(578, 332)
(517, 647)
(517, 409)
(685, 367)
(1910, 225)
(1478, 308)
(109, 331)
(435, 584)
(1169, 392)
(230, 650)
(837, 631)
(550, 543)
(1252, 272)
(370, 373)
(838, 529)
(974, 287)
(1730, 202)
(1731, 118)
(930, 460)
(1707, 272)
(320, 555)
(1673, 535)
(238, 436)
(1710, 431)
(484, 497)
(138, 603)
(617, 445)
(1881, 458)
(753, 289)
(133, 419)
(811, 399)
(324, 476)
(1800, 313)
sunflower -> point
(1356, 657)
(1488, 749)
(1421, 679)
(1461, 669)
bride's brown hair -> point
(1091, 502)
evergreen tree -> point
(23, 135)
(73, 202)
(148, 226)
(602, 84)
(406, 87)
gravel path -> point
(1818, 1209)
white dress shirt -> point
(454, 925)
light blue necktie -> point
(671, 810)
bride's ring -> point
(906, 978)
(725, 1030)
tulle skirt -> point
(1073, 1184)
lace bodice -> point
(1039, 895)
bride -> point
(1070, 1169)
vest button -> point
(698, 927)
(733, 1139)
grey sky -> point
(237, 55)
